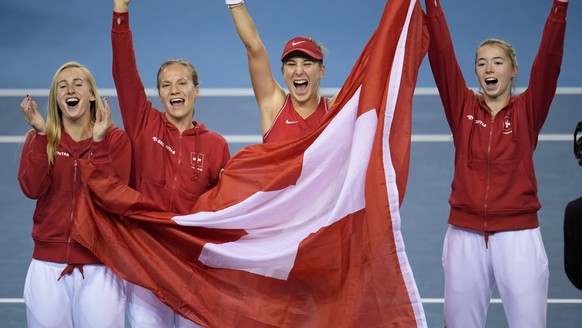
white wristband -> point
(233, 2)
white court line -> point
(245, 92)
(424, 300)
(256, 139)
(448, 137)
(12, 139)
(498, 300)
(11, 300)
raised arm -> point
(268, 93)
(133, 102)
(543, 80)
(444, 65)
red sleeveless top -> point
(288, 124)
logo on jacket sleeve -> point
(197, 161)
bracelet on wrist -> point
(236, 5)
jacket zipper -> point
(73, 206)
(488, 184)
(172, 207)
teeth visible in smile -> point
(177, 101)
(491, 80)
(72, 102)
(300, 83)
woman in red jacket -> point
(494, 236)
(175, 158)
(66, 285)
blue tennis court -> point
(38, 36)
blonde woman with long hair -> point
(66, 285)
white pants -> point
(515, 261)
(145, 310)
(98, 300)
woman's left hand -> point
(102, 122)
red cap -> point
(303, 45)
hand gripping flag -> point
(298, 234)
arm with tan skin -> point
(269, 94)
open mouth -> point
(72, 102)
(177, 102)
(491, 81)
(300, 85)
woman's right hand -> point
(32, 116)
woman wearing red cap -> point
(283, 116)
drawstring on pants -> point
(486, 234)
(70, 268)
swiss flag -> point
(298, 234)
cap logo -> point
(304, 45)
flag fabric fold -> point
(297, 234)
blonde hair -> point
(318, 44)
(507, 48)
(54, 122)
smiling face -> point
(495, 68)
(178, 93)
(74, 95)
(302, 75)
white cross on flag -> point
(298, 234)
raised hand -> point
(32, 116)
(121, 6)
(102, 122)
